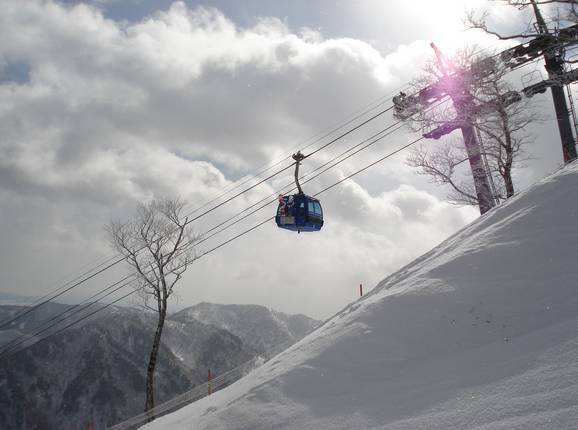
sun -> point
(446, 24)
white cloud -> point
(181, 103)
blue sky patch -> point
(16, 71)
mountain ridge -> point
(257, 326)
(94, 373)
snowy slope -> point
(480, 333)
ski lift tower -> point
(555, 67)
(453, 84)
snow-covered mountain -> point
(15, 299)
(89, 374)
(94, 373)
(29, 322)
(479, 333)
(258, 327)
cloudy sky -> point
(108, 103)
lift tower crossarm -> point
(560, 80)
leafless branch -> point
(158, 246)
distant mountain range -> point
(15, 299)
(258, 327)
(94, 373)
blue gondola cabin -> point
(299, 212)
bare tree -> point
(159, 247)
(440, 164)
(564, 10)
(503, 128)
(497, 112)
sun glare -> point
(445, 20)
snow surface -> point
(480, 333)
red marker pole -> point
(208, 382)
(360, 290)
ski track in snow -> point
(479, 333)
